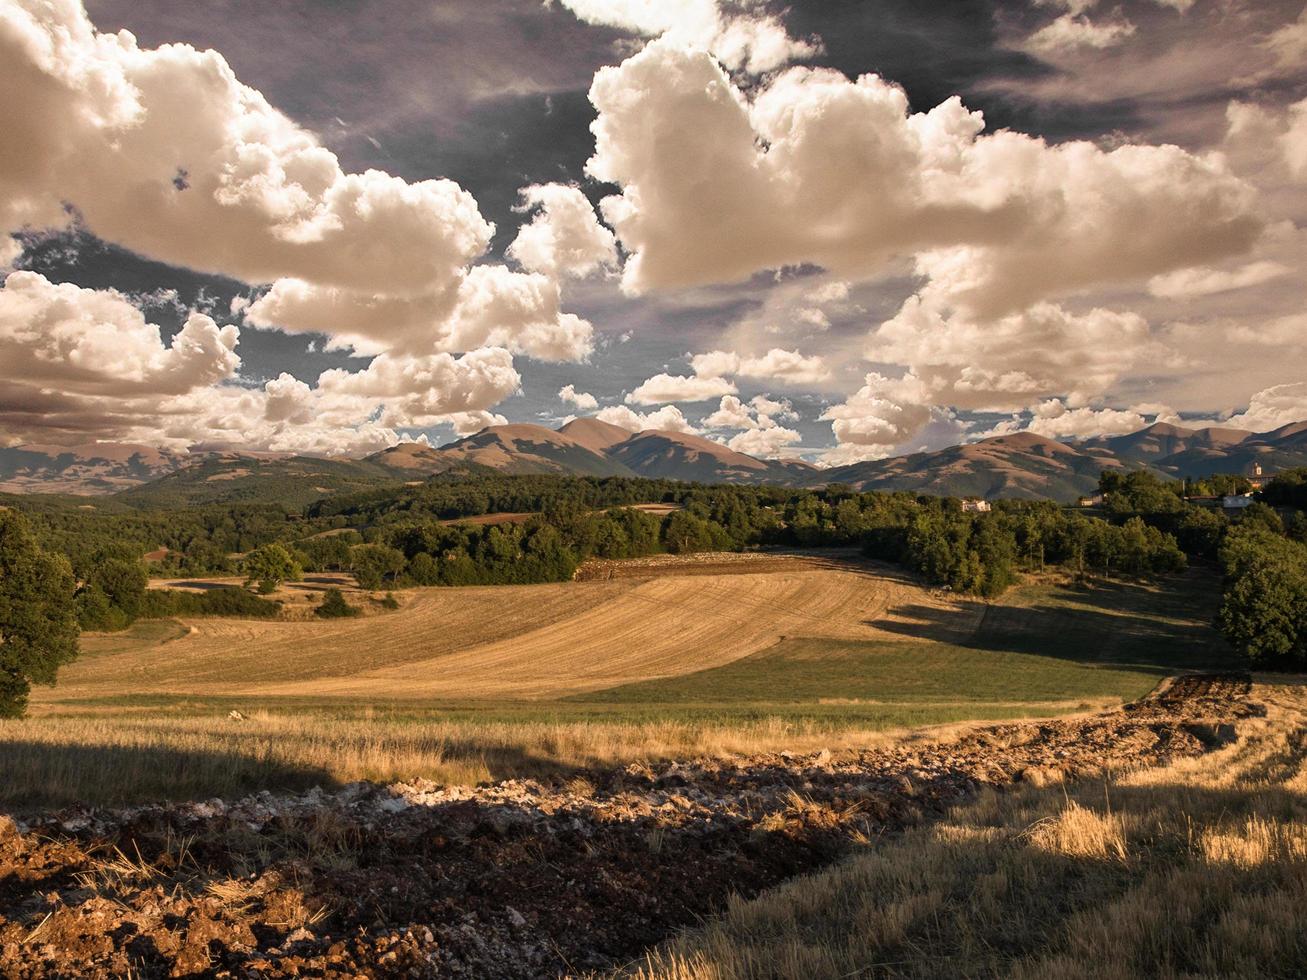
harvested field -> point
(521, 879)
(542, 641)
(763, 653)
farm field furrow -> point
(522, 641)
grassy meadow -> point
(105, 737)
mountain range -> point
(1018, 465)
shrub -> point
(334, 606)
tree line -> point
(65, 568)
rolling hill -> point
(1019, 465)
(293, 481)
(96, 467)
(590, 447)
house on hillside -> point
(1090, 500)
(974, 505)
(1257, 478)
(1237, 501)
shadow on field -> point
(1160, 626)
(40, 774)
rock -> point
(515, 917)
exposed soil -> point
(518, 879)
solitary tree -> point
(38, 619)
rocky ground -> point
(518, 879)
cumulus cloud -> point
(79, 360)
(740, 35)
(490, 306)
(669, 418)
(881, 414)
(679, 388)
(814, 168)
(166, 152)
(1005, 363)
(1056, 420)
(83, 363)
(768, 443)
(564, 237)
(762, 435)
(583, 400)
(1072, 31)
(787, 366)
(1273, 407)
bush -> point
(228, 601)
(334, 606)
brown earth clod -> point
(523, 878)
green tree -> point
(38, 619)
(372, 563)
(123, 581)
(1264, 610)
(270, 565)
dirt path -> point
(519, 879)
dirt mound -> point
(518, 879)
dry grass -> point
(1194, 870)
(128, 756)
(542, 641)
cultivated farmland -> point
(651, 659)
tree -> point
(123, 581)
(270, 565)
(371, 563)
(38, 619)
(1264, 612)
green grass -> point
(1044, 644)
(1045, 650)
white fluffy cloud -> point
(881, 414)
(563, 238)
(83, 363)
(93, 343)
(165, 151)
(788, 366)
(679, 388)
(736, 31)
(815, 168)
(762, 435)
(1072, 31)
(1273, 407)
(1056, 420)
(767, 443)
(490, 306)
(669, 418)
(1005, 363)
(583, 400)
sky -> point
(830, 229)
